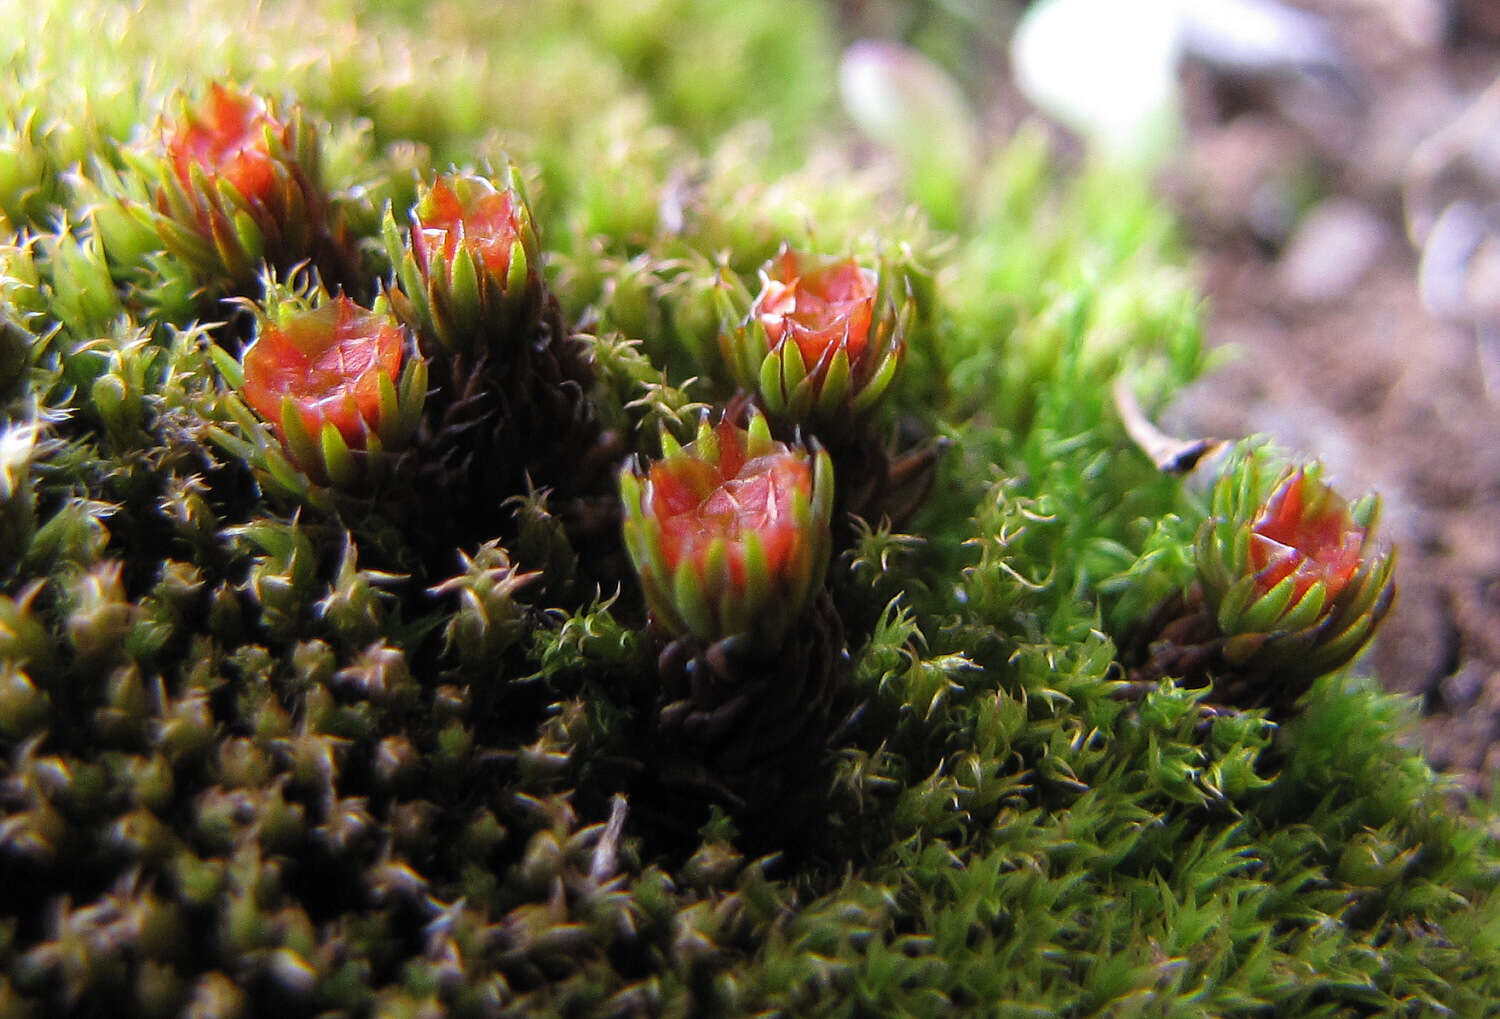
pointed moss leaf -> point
(1334, 653)
(1233, 604)
(284, 473)
(760, 441)
(437, 310)
(793, 367)
(722, 299)
(655, 556)
(179, 202)
(634, 547)
(228, 195)
(706, 445)
(1381, 576)
(413, 396)
(184, 241)
(757, 588)
(397, 250)
(741, 359)
(229, 367)
(1366, 513)
(251, 241)
(802, 565)
(390, 406)
(108, 395)
(822, 488)
(715, 571)
(773, 389)
(659, 601)
(754, 348)
(337, 460)
(879, 382)
(299, 440)
(1360, 594)
(1307, 609)
(1263, 612)
(1212, 572)
(821, 552)
(242, 415)
(835, 384)
(464, 290)
(689, 601)
(1239, 549)
(1247, 488)
(630, 494)
(231, 444)
(515, 277)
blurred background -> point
(1336, 168)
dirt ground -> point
(1347, 226)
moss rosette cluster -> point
(472, 259)
(729, 534)
(1294, 580)
(276, 750)
(333, 379)
(238, 183)
(821, 341)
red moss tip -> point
(330, 361)
(819, 310)
(488, 225)
(729, 534)
(1305, 531)
(699, 503)
(225, 136)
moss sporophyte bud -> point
(1294, 581)
(820, 342)
(472, 258)
(239, 185)
(228, 137)
(330, 379)
(485, 227)
(730, 533)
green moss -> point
(272, 745)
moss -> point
(406, 747)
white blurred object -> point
(1106, 69)
(1452, 203)
(1258, 37)
(1333, 248)
(1109, 69)
(904, 101)
(901, 99)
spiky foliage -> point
(471, 267)
(338, 383)
(226, 183)
(821, 341)
(729, 533)
(511, 411)
(270, 746)
(1290, 583)
(1294, 578)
